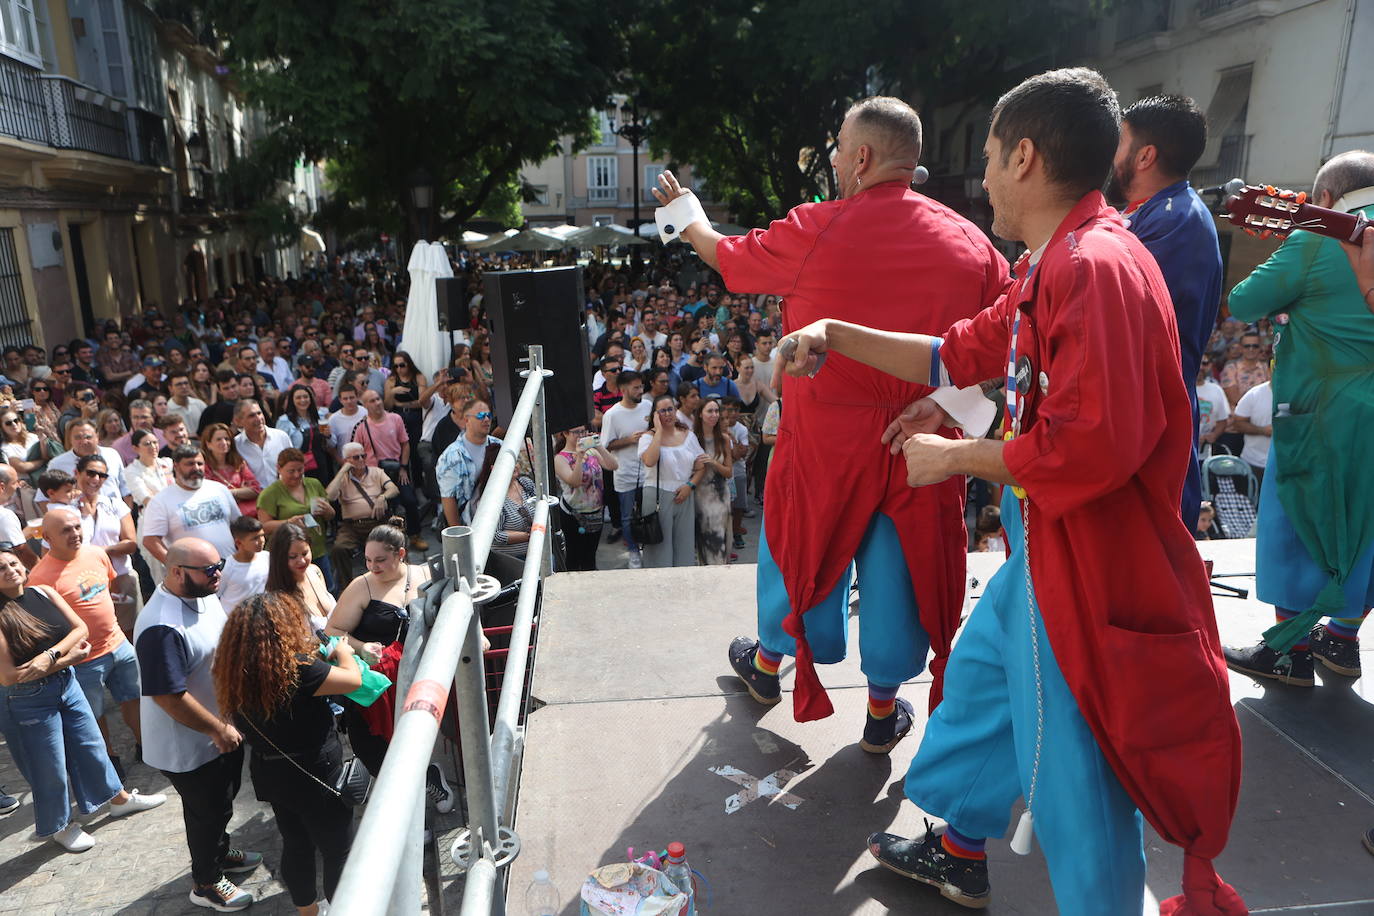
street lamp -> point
(422, 197)
(634, 131)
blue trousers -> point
(892, 643)
(978, 751)
(58, 748)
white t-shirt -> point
(190, 413)
(263, 461)
(1212, 408)
(341, 426)
(1257, 406)
(617, 423)
(10, 528)
(674, 463)
(103, 529)
(763, 370)
(741, 436)
(205, 513)
(242, 580)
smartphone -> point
(26, 403)
(30, 421)
(587, 443)
(309, 521)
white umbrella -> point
(420, 337)
(473, 238)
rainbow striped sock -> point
(963, 847)
(881, 700)
(1280, 615)
(1346, 627)
(767, 662)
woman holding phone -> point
(673, 466)
(300, 500)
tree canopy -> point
(466, 90)
(752, 92)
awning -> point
(311, 240)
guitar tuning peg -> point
(1270, 190)
(1251, 232)
(1302, 197)
(1265, 234)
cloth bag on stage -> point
(631, 889)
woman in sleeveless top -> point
(44, 715)
(372, 614)
(290, 571)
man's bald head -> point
(192, 552)
(889, 125)
(1344, 173)
(62, 531)
(8, 475)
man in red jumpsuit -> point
(1089, 678)
(835, 495)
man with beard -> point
(1162, 138)
(193, 507)
(884, 256)
(183, 734)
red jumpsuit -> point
(887, 258)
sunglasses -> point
(88, 398)
(11, 422)
(35, 389)
(101, 474)
(482, 415)
(214, 569)
(62, 372)
(1249, 346)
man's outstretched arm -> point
(904, 356)
(698, 233)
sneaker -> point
(882, 735)
(634, 560)
(964, 881)
(766, 688)
(236, 861)
(437, 790)
(8, 803)
(73, 839)
(224, 896)
(418, 543)
(1295, 668)
(1340, 655)
(739, 542)
(136, 803)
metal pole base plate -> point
(502, 854)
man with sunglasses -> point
(194, 507)
(461, 463)
(200, 753)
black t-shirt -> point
(445, 433)
(689, 373)
(39, 605)
(303, 729)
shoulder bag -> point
(647, 529)
(353, 783)
(391, 466)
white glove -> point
(678, 215)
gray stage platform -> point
(644, 737)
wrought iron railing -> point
(150, 137)
(21, 102)
(76, 120)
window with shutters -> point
(603, 177)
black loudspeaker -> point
(452, 301)
(540, 307)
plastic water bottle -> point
(541, 897)
(680, 873)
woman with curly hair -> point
(271, 680)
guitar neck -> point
(1345, 227)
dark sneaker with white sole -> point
(766, 688)
(437, 789)
(8, 803)
(1294, 668)
(1340, 655)
(236, 861)
(964, 881)
(882, 735)
(223, 896)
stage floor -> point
(643, 736)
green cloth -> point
(280, 504)
(1323, 388)
(374, 683)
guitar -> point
(1266, 211)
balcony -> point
(1207, 8)
(603, 195)
(150, 138)
(1137, 20)
(1232, 160)
(22, 113)
(1219, 15)
(78, 119)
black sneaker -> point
(8, 803)
(437, 790)
(965, 881)
(236, 861)
(739, 542)
(1340, 655)
(1295, 668)
(765, 688)
(882, 735)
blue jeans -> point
(627, 510)
(57, 747)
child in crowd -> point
(1207, 516)
(988, 531)
(58, 488)
(245, 573)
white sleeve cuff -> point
(678, 215)
(968, 407)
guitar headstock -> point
(1266, 210)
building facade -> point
(117, 128)
(596, 186)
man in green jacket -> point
(1315, 555)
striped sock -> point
(767, 662)
(1346, 627)
(1280, 615)
(963, 847)
(881, 700)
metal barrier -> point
(384, 869)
